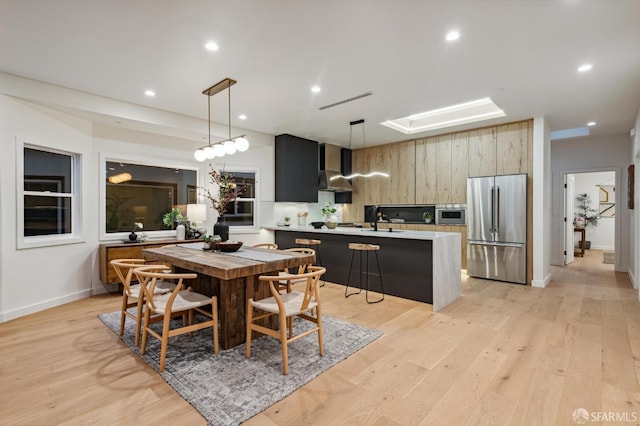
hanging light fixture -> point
(227, 146)
(364, 145)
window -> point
(48, 203)
(143, 193)
(242, 212)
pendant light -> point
(364, 146)
(228, 146)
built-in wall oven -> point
(450, 215)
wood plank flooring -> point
(503, 354)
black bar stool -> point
(312, 244)
(360, 248)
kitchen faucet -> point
(374, 221)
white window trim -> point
(144, 161)
(241, 229)
(76, 235)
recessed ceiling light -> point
(453, 35)
(585, 67)
(468, 112)
(211, 45)
(315, 89)
(150, 93)
(591, 123)
(242, 117)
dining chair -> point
(270, 246)
(305, 305)
(179, 302)
(286, 284)
(132, 294)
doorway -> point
(591, 195)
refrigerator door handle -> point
(491, 201)
(514, 245)
(496, 211)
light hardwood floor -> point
(502, 354)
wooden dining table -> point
(232, 277)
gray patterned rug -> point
(227, 388)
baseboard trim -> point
(541, 283)
(634, 283)
(41, 306)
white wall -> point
(38, 278)
(581, 155)
(541, 203)
(602, 236)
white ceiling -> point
(522, 54)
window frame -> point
(75, 195)
(246, 229)
(143, 161)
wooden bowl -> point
(229, 246)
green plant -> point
(328, 209)
(174, 216)
(427, 216)
(585, 211)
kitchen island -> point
(418, 265)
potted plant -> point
(585, 215)
(329, 213)
(228, 193)
(428, 217)
(173, 218)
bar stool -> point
(312, 244)
(360, 248)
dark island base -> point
(406, 264)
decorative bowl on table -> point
(317, 225)
(229, 246)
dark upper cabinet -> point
(345, 169)
(296, 169)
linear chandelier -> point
(364, 145)
(229, 145)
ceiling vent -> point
(344, 101)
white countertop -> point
(369, 232)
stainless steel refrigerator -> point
(497, 228)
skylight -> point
(569, 133)
(468, 112)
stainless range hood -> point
(330, 168)
(337, 185)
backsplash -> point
(314, 210)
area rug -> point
(609, 257)
(227, 388)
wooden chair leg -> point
(138, 320)
(165, 342)
(214, 313)
(145, 333)
(123, 316)
(249, 322)
(284, 343)
(320, 335)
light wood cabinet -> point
(443, 169)
(512, 148)
(398, 160)
(109, 251)
(459, 167)
(482, 152)
(426, 149)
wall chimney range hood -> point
(330, 166)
